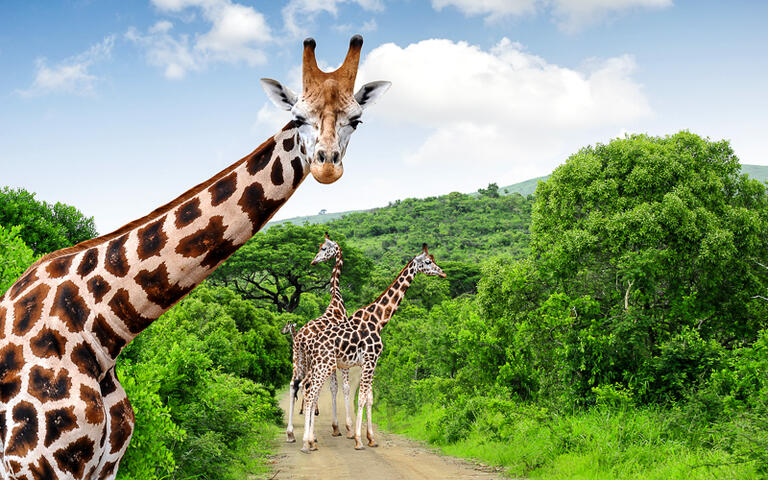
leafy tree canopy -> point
(15, 256)
(274, 266)
(44, 227)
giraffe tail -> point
(296, 384)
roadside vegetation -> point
(612, 325)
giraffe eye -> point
(299, 121)
(355, 122)
(428, 262)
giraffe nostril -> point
(321, 156)
(335, 158)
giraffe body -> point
(63, 413)
(303, 343)
(357, 342)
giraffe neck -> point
(386, 305)
(337, 302)
(125, 280)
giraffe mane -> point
(158, 211)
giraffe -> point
(357, 341)
(63, 412)
(302, 344)
(290, 327)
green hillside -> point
(524, 188)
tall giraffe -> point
(302, 343)
(63, 413)
(357, 341)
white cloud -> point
(570, 15)
(297, 14)
(502, 106)
(236, 34)
(367, 26)
(70, 75)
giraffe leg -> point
(345, 389)
(366, 376)
(320, 373)
(290, 437)
(334, 391)
(368, 405)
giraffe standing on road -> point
(358, 342)
(63, 413)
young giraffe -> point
(290, 327)
(357, 341)
(63, 413)
(302, 343)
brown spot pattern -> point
(125, 311)
(84, 358)
(121, 425)
(259, 159)
(204, 239)
(24, 436)
(94, 406)
(27, 310)
(109, 339)
(70, 307)
(73, 458)
(219, 254)
(57, 422)
(11, 362)
(288, 143)
(158, 288)
(48, 343)
(88, 263)
(42, 470)
(298, 172)
(2, 322)
(277, 172)
(107, 384)
(46, 385)
(257, 207)
(59, 267)
(98, 288)
(223, 189)
(109, 467)
(22, 283)
(116, 262)
(152, 239)
(188, 212)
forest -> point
(614, 324)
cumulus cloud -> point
(500, 105)
(298, 14)
(570, 15)
(236, 35)
(71, 75)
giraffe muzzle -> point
(327, 168)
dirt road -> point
(395, 457)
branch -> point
(626, 296)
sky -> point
(118, 107)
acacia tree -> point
(44, 227)
(274, 266)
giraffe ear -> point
(281, 96)
(370, 92)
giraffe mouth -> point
(326, 172)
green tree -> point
(44, 227)
(15, 256)
(274, 267)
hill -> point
(524, 188)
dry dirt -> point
(395, 458)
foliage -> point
(15, 257)
(44, 227)
(202, 380)
(274, 267)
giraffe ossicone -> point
(357, 342)
(63, 413)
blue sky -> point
(117, 107)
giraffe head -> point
(327, 111)
(425, 263)
(328, 250)
(289, 327)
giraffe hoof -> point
(305, 450)
(373, 444)
(359, 447)
(336, 432)
(291, 438)
(351, 436)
